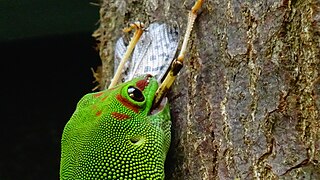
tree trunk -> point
(247, 102)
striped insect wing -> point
(153, 53)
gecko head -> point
(157, 117)
(140, 93)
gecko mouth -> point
(160, 107)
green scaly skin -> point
(106, 138)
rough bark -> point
(246, 104)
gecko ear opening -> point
(137, 140)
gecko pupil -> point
(135, 94)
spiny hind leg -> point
(139, 28)
(178, 62)
(191, 18)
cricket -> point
(177, 63)
(124, 132)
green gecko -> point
(113, 135)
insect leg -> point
(139, 28)
(177, 62)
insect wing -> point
(152, 54)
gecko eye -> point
(135, 94)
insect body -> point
(113, 135)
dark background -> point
(46, 55)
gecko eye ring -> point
(135, 94)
